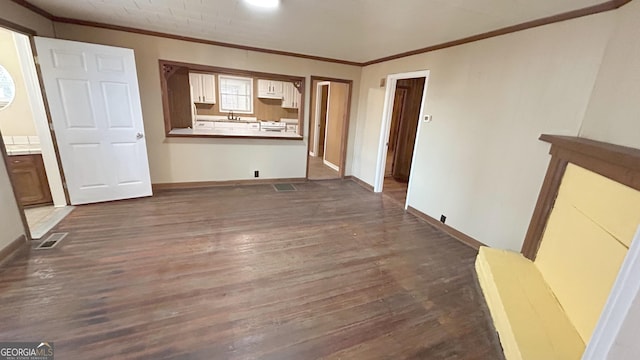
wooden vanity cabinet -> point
(30, 179)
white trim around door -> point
(331, 165)
(40, 120)
(387, 113)
(610, 339)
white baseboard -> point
(331, 165)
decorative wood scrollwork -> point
(168, 70)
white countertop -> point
(237, 132)
(25, 149)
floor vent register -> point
(51, 241)
(284, 187)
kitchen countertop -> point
(248, 121)
(23, 149)
(236, 133)
(220, 118)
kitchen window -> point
(236, 94)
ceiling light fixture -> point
(270, 4)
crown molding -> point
(202, 41)
(591, 10)
(35, 9)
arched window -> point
(7, 88)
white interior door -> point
(94, 102)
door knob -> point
(139, 135)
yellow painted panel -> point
(526, 314)
(580, 261)
(613, 206)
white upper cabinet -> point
(269, 89)
(203, 88)
(290, 96)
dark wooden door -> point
(322, 121)
(407, 128)
(398, 109)
(179, 94)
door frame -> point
(328, 163)
(42, 122)
(385, 127)
(3, 151)
(37, 100)
(318, 111)
(345, 127)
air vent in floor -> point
(51, 241)
(284, 187)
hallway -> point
(319, 171)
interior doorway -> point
(403, 109)
(328, 129)
(28, 144)
(93, 104)
(402, 136)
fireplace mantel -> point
(618, 163)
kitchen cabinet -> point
(203, 88)
(290, 96)
(30, 179)
(270, 89)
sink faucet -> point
(231, 116)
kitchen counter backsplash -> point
(22, 145)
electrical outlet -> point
(256, 173)
(443, 219)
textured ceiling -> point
(353, 30)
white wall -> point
(186, 160)
(17, 118)
(365, 143)
(613, 114)
(480, 162)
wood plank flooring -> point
(395, 189)
(319, 171)
(330, 271)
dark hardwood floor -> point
(329, 271)
(395, 189)
(319, 171)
